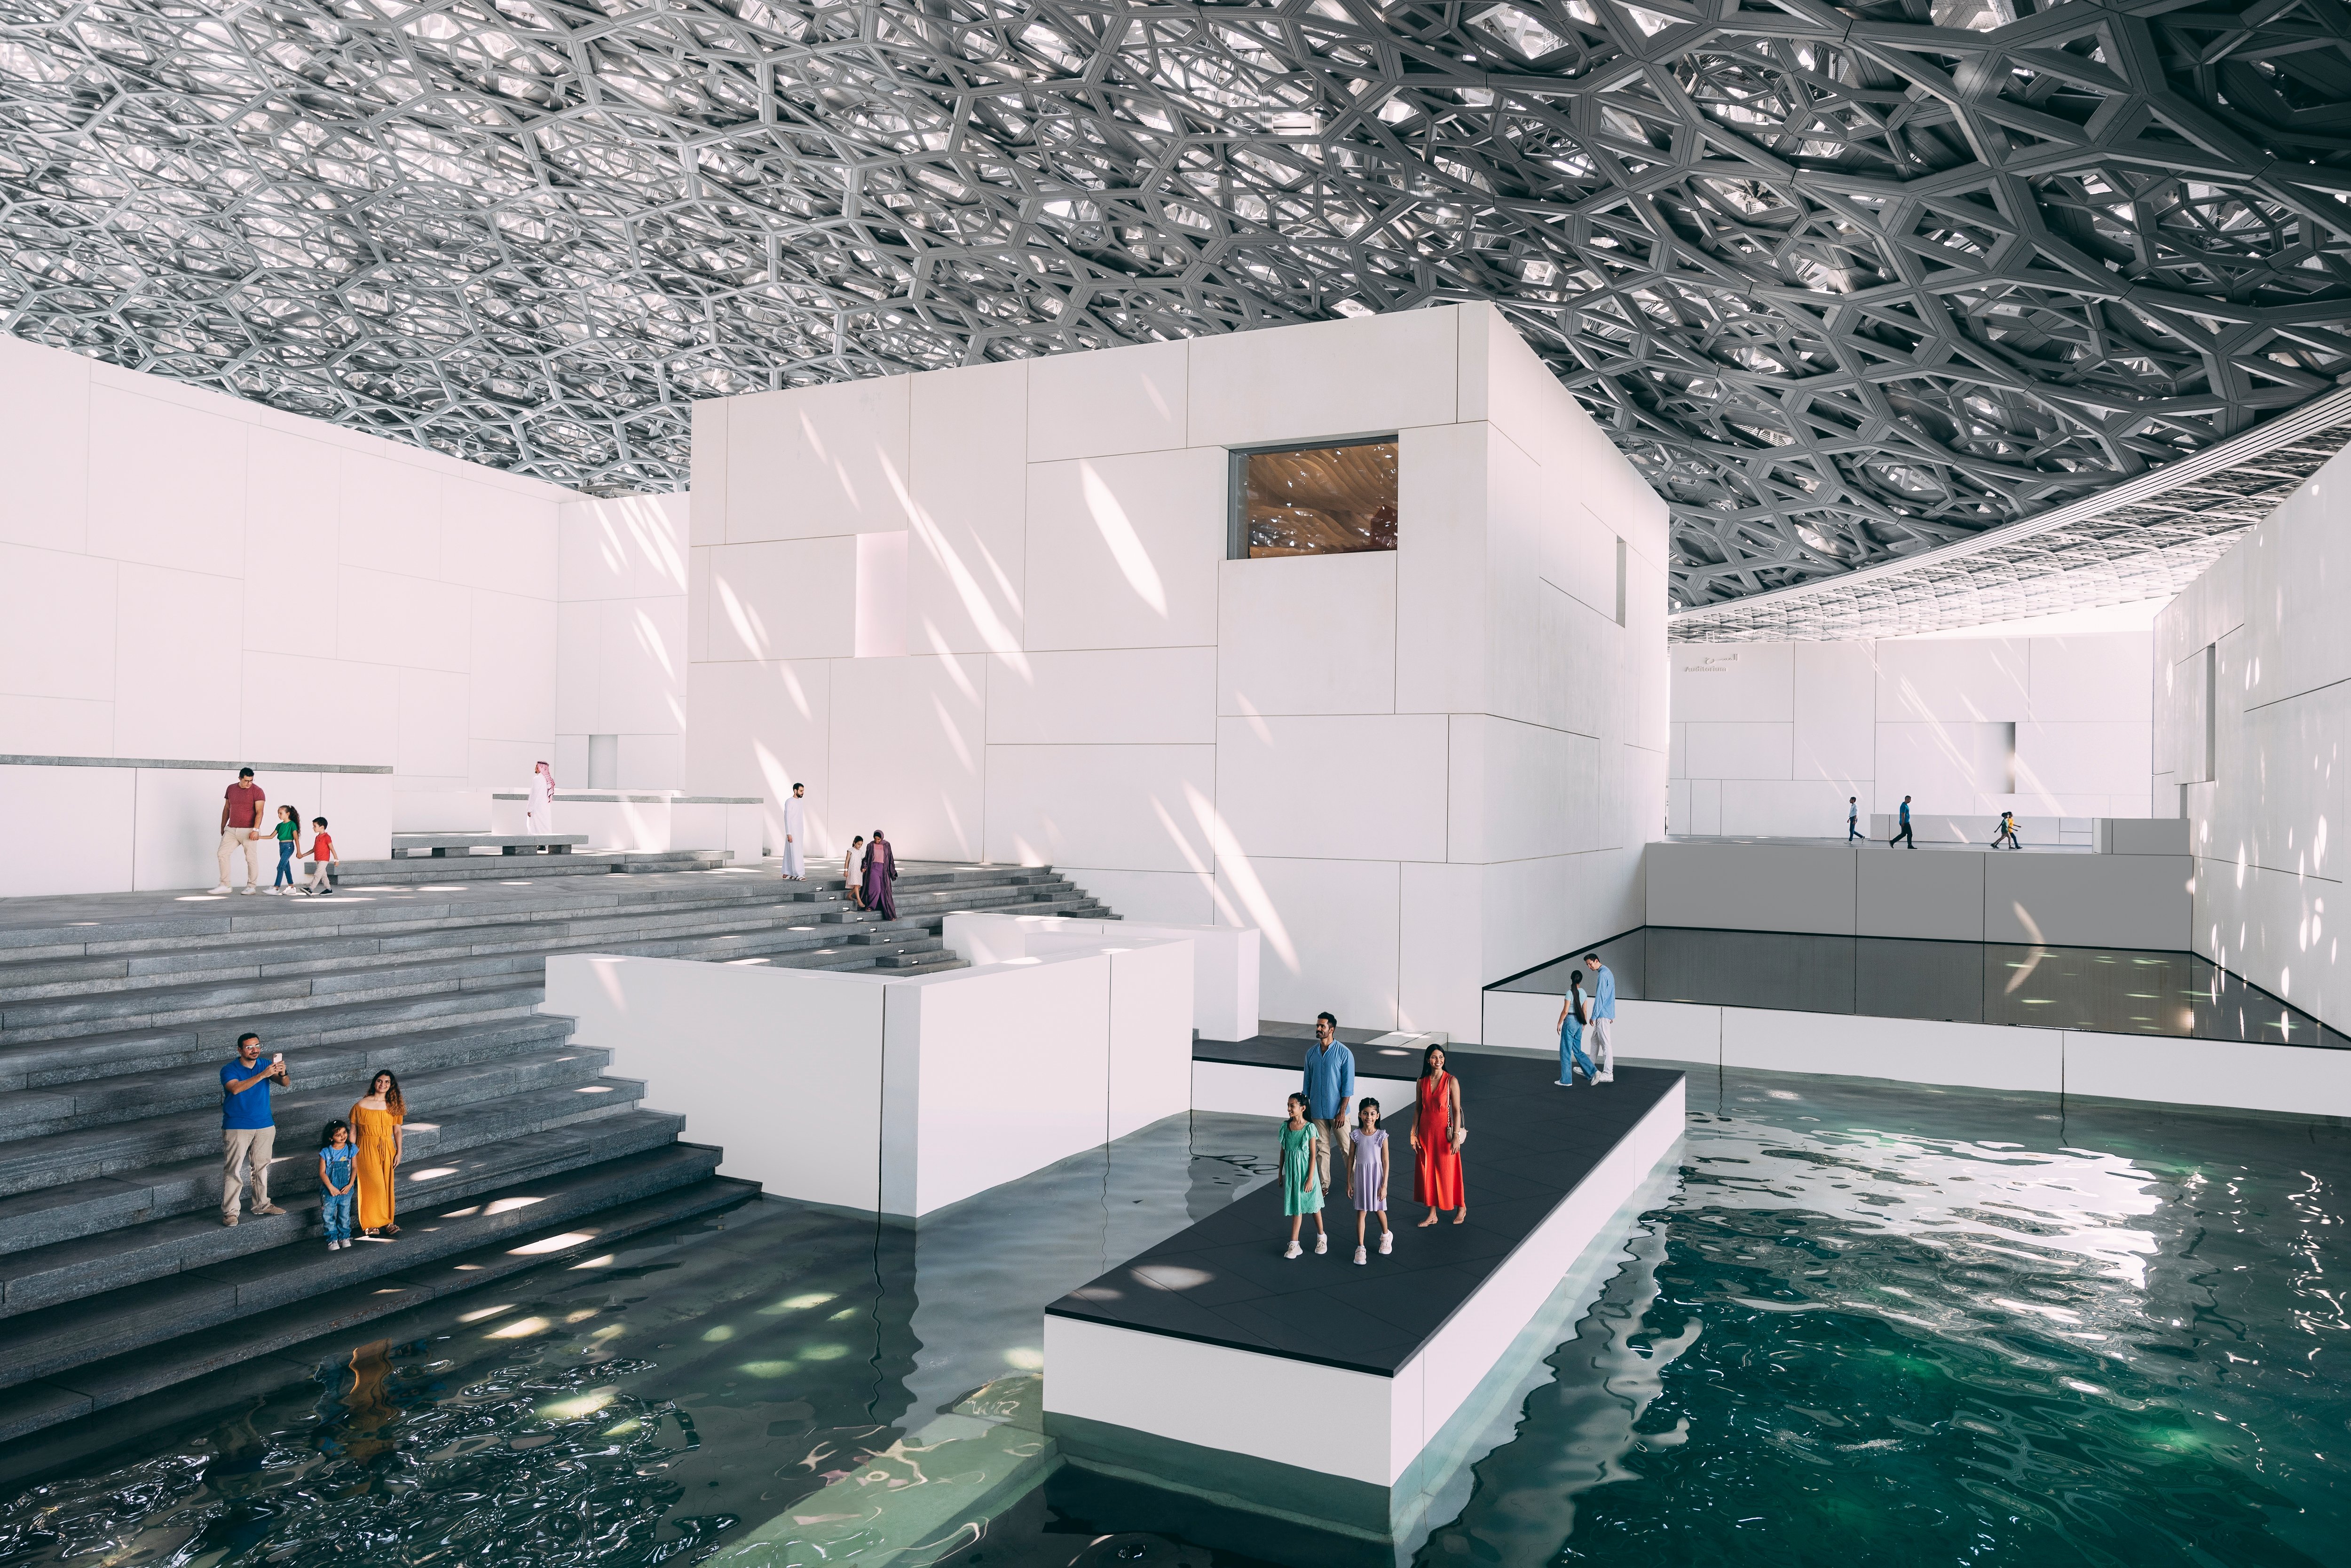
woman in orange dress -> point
(1437, 1135)
(376, 1123)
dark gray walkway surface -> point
(1225, 1281)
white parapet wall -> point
(2217, 1074)
(653, 822)
(894, 1096)
(1224, 957)
(153, 824)
(2142, 901)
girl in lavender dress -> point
(1367, 1176)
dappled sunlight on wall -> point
(2251, 664)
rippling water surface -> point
(1874, 1324)
(1887, 1324)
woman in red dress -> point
(1437, 1135)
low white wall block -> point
(896, 1094)
(1224, 957)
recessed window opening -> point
(1321, 497)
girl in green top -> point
(289, 828)
(1301, 1195)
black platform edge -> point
(1531, 1145)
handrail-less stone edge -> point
(16, 761)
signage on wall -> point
(1712, 665)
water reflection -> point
(1879, 1322)
(1876, 1322)
(654, 1404)
(2116, 991)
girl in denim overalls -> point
(337, 1177)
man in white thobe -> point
(796, 835)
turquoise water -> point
(1876, 1324)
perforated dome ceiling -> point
(1849, 283)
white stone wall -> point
(186, 575)
(1770, 737)
(2264, 799)
(989, 610)
(620, 667)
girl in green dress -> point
(1301, 1195)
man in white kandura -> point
(538, 806)
(796, 835)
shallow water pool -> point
(1876, 1324)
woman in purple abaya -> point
(881, 870)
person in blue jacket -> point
(1604, 1018)
(1904, 831)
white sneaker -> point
(333, 1246)
(1387, 1242)
(1295, 1251)
(221, 888)
(249, 888)
(1322, 1243)
(1607, 1077)
(1362, 1256)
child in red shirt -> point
(323, 856)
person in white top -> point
(538, 811)
(796, 835)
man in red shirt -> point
(240, 823)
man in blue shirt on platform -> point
(1330, 1098)
(1604, 1018)
(248, 1136)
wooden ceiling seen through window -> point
(1323, 500)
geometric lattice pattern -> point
(1849, 283)
(2145, 548)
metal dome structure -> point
(1856, 287)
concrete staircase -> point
(116, 1277)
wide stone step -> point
(53, 1343)
(232, 921)
(40, 1217)
(281, 955)
(314, 983)
(194, 1085)
(52, 1159)
(72, 1059)
(64, 1270)
(425, 870)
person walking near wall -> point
(796, 835)
(1604, 1018)
(240, 826)
(1437, 1135)
(1573, 1016)
(881, 870)
(377, 1119)
(2007, 832)
(1329, 1090)
(1902, 831)
(1852, 818)
(248, 1135)
(538, 809)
